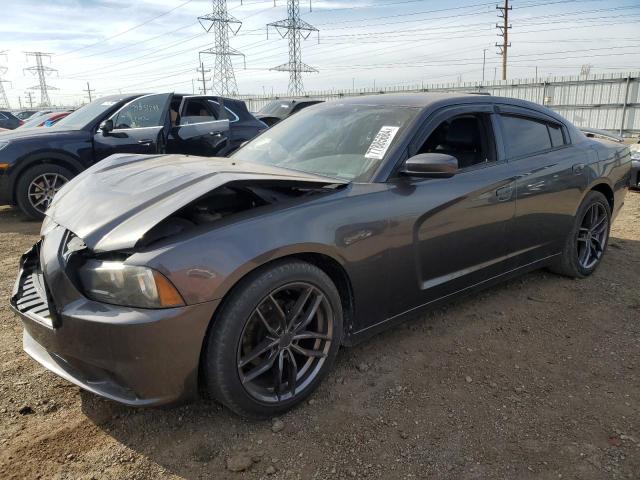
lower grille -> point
(30, 293)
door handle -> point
(504, 193)
(215, 134)
(145, 142)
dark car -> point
(161, 276)
(8, 120)
(278, 110)
(36, 162)
(45, 120)
(23, 115)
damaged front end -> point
(97, 311)
(117, 202)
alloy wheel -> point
(592, 235)
(43, 188)
(285, 342)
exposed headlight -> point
(127, 285)
(3, 145)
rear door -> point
(550, 179)
(140, 126)
(202, 128)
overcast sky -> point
(153, 45)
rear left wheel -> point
(274, 340)
(588, 239)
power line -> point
(203, 71)
(224, 78)
(4, 100)
(89, 90)
(295, 30)
(504, 33)
(42, 72)
(127, 30)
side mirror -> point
(437, 165)
(106, 126)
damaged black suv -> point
(35, 163)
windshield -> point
(279, 108)
(341, 141)
(87, 114)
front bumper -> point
(135, 356)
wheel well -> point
(328, 265)
(605, 189)
(339, 277)
(41, 161)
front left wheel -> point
(274, 340)
(37, 186)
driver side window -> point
(468, 138)
(140, 113)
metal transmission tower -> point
(224, 79)
(296, 30)
(42, 71)
(504, 33)
(4, 100)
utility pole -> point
(296, 30)
(504, 33)
(484, 58)
(204, 82)
(89, 90)
(20, 101)
(4, 100)
(42, 71)
(224, 78)
(28, 94)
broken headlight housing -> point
(127, 285)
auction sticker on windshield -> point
(381, 143)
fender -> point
(276, 254)
(53, 156)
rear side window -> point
(557, 138)
(524, 136)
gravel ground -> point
(537, 378)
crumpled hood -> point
(115, 202)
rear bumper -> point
(138, 357)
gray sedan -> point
(158, 277)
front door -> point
(140, 126)
(456, 228)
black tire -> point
(569, 264)
(27, 203)
(227, 339)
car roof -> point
(424, 100)
(420, 100)
(120, 96)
